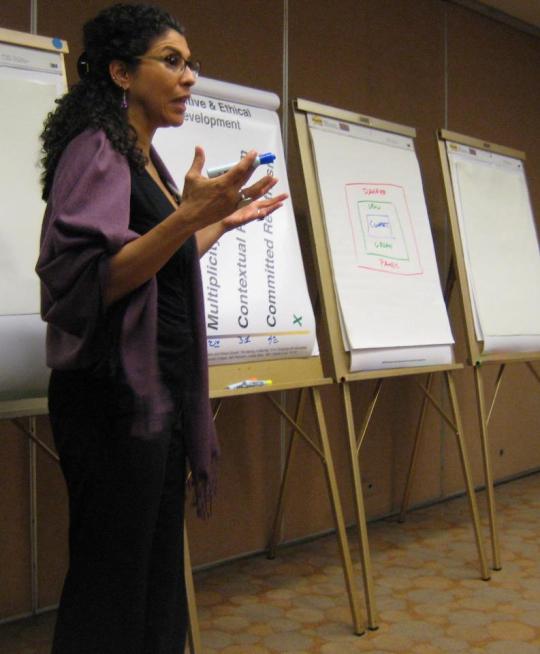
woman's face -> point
(157, 92)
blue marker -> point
(266, 158)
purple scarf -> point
(85, 223)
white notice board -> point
(30, 80)
(381, 249)
(500, 246)
(256, 298)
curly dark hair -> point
(123, 32)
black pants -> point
(124, 592)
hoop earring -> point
(124, 103)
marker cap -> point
(266, 158)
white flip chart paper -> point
(381, 246)
(500, 245)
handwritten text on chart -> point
(382, 230)
(373, 190)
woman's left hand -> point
(252, 205)
(258, 208)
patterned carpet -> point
(429, 592)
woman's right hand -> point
(207, 201)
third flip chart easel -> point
(476, 357)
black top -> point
(149, 206)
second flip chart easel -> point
(477, 357)
(339, 358)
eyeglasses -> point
(175, 63)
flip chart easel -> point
(477, 356)
(337, 358)
(305, 375)
(228, 120)
(23, 55)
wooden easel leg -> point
(361, 522)
(533, 371)
(466, 467)
(414, 454)
(34, 550)
(194, 635)
(31, 434)
(275, 537)
(338, 514)
(488, 475)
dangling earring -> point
(124, 103)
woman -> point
(122, 295)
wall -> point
(424, 63)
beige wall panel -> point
(15, 15)
(237, 41)
(224, 36)
(15, 568)
(407, 403)
(516, 424)
(307, 508)
(387, 430)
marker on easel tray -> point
(265, 158)
(250, 383)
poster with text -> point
(256, 298)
